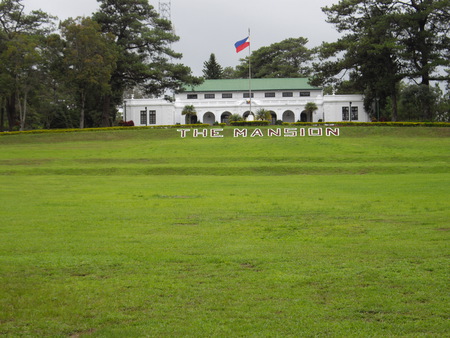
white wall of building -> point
(165, 112)
(333, 104)
(210, 110)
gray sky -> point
(207, 26)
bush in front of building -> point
(126, 123)
(249, 123)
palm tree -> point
(311, 107)
(263, 115)
(189, 111)
(235, 118)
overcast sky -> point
(213, 26)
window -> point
(152, 117)
(247, 95)
(144, 117)
(354, 113)
(227, 96)
(270, 95)
(345, 114)
(288, 94)
(210, 96)
(305, 94)
(192, 96)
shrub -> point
(235, 118)
(126, 123)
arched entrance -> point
(273, 118)
(288, 116)
(224, 118)
(209, 118)
(191, 119)
(305, 117)
(247, 116)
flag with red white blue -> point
(242, 44)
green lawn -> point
(144, 233)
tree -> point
(416, 100)
(145, 56)
(366, 58)
(189, 111)
(311, 107)
(90, 58)
(424, 29)
(55, 101)
(22, 58)
(211, 69)
(263, 115)
(443, 108)
(229, 73)
(20, 38)
(288, 58)
(235, 118)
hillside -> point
(137, 233)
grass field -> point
(143, 233)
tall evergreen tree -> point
(145, 56)
(90, 57)
(367, 52)
(212, 69)
(425, 32)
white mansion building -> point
(215, 100)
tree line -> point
(75, 73)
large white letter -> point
(183, 132)
(204, 133)
(274, 132)
(257, 132)
(238, 132)
(216, 132)
(315, 132)
(334, 132)
(290, 132)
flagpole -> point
(249, 73)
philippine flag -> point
(240, 45)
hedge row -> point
(43, 131)
(372, 124)
(249, 123)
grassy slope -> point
(163, 152)
(144, 233)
